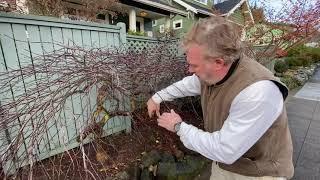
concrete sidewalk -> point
(303, 110)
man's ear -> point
(219, 63)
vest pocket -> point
(268, 167)
(244, 166)
(254, 163)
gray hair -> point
(220, 37)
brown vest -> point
(272, 153)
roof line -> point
(206, 12)
(193, 9)
(235, 23)
(234, 8)
(250, 12)
(187, 6)
(162, 6)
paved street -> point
(304, 119)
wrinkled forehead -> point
(197, 52)
(194, 49)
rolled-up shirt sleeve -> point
(188, 86)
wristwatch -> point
(177, 126)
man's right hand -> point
(153, 107)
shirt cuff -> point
(183, 127)
(183, 133)
(156, 98)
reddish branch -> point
(298, 20)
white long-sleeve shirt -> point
(251, 114)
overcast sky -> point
(272, 4)
(279, 5)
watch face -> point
(177, 126)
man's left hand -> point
(168, 120)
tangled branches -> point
(65, 87)
(85, 9)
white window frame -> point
(161, 28)
(176, 22)
(200, 1)
(155, 23)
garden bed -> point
(119, 151)
(300, 64)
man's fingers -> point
(149, 113)
(158, 110)
(160, 119)
(161, 122)
(165, 114)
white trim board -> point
(176, 22)
(234, 8)
(162, 6)
(154, 22)
(160, 27)
(190, 8)
(187, 6)
(250, 12)
(199, 1)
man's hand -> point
(168, 120)
(153, 107)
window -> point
(161, 30)
(202, 1)
(149, 33)
(177, 24)
(154, 23)
(101, 16)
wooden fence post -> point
(123, 34)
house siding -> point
(186, 25)
(208, 6)
(238, 17)
(187, 22)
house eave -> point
(235, 7)
(250, 12)
(193, 9)
(205, 12)
(162, 6)
(187, 6)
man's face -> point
(206, 70)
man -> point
(246, 126)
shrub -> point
(309, 54)
(294, 61)
(314, 54)
(281, 66)
(306, 61)
(136, 33)
(297, 51)
(290, 82)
